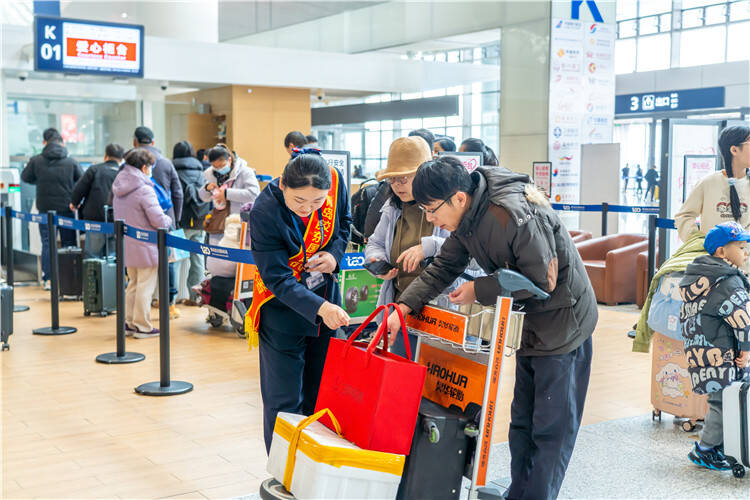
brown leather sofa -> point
(610, 262)
(579, 236)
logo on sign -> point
(141, 235)
(592, 67)
(206, 250)
(592, 28)
(355, 260)
(575, 10)
(557, 132)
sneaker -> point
(173, 312)
(155, 303)
(146, 335)
(46, 285)
(710, 459)
(129, 331)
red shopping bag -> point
(374, 394)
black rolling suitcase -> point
(6, 314)
(70, 269)
(435, 466)
(99, 292)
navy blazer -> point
(274, 240)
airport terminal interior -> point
(179, 178)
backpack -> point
(360, 204)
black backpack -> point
(360, 204)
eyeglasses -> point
(398, 180)
(432, 211)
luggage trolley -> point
(446, 332)
(465, 336)
(241, 296)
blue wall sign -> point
(675, 100)
(575, 10)
(92, 47)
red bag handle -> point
(383, 331)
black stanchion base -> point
(20, 308)
(111, 358)
(155, 388)
(60, 330)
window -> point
(654, 52)
(625, 56)
(716, 14)
(654, 7)
(702, 46)
(738, 42)
(739, 11)
(627, 9)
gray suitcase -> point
(6, 315)
(735, 403)
(99, 286)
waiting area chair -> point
(610, 262)
(579, 235)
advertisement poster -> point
(340, 160)
(696, 168)
(542, 171)
(470, 161)
(359, 291)
(581, 99)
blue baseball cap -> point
(724, 233)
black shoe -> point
(710, 459)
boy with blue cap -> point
(715, 318)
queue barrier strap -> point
(611, 208)
(351, 260)
(665, 223)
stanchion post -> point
(165, 386)
(605, 211)
(54, 289)
(651, 247)
(10, 258)
(121, 356)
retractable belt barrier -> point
(605, 209)
(162, 239)
(655, 223)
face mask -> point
(224, 171)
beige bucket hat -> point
(405, 156)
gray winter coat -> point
(503, 229)
(244, 186)
(380, 243)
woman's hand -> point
(387, 276)
(394, 323)
(464, 294)
(221, 197)
(323, 263)
(411, 258)
(333, 316)
(211, 186)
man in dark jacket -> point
(163, 172)
(94, 190)
(55, 174)
(498, 218)
(190, 171)
(652, 180)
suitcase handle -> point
(291, 456)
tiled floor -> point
(73, 428)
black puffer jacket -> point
(94, 189)
(715, 324)
(55, 174)
(503, 228)
(190, 173)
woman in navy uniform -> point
(299, 232)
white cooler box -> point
(327, 466)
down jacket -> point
(134, 201)
(505, 227)
(55, 174)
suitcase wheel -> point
(6, 347)
(215, 320)
(688, 426)
(104, 314)
(87, 313)
(655, 414)
(738, 471)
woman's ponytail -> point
(732, 136)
